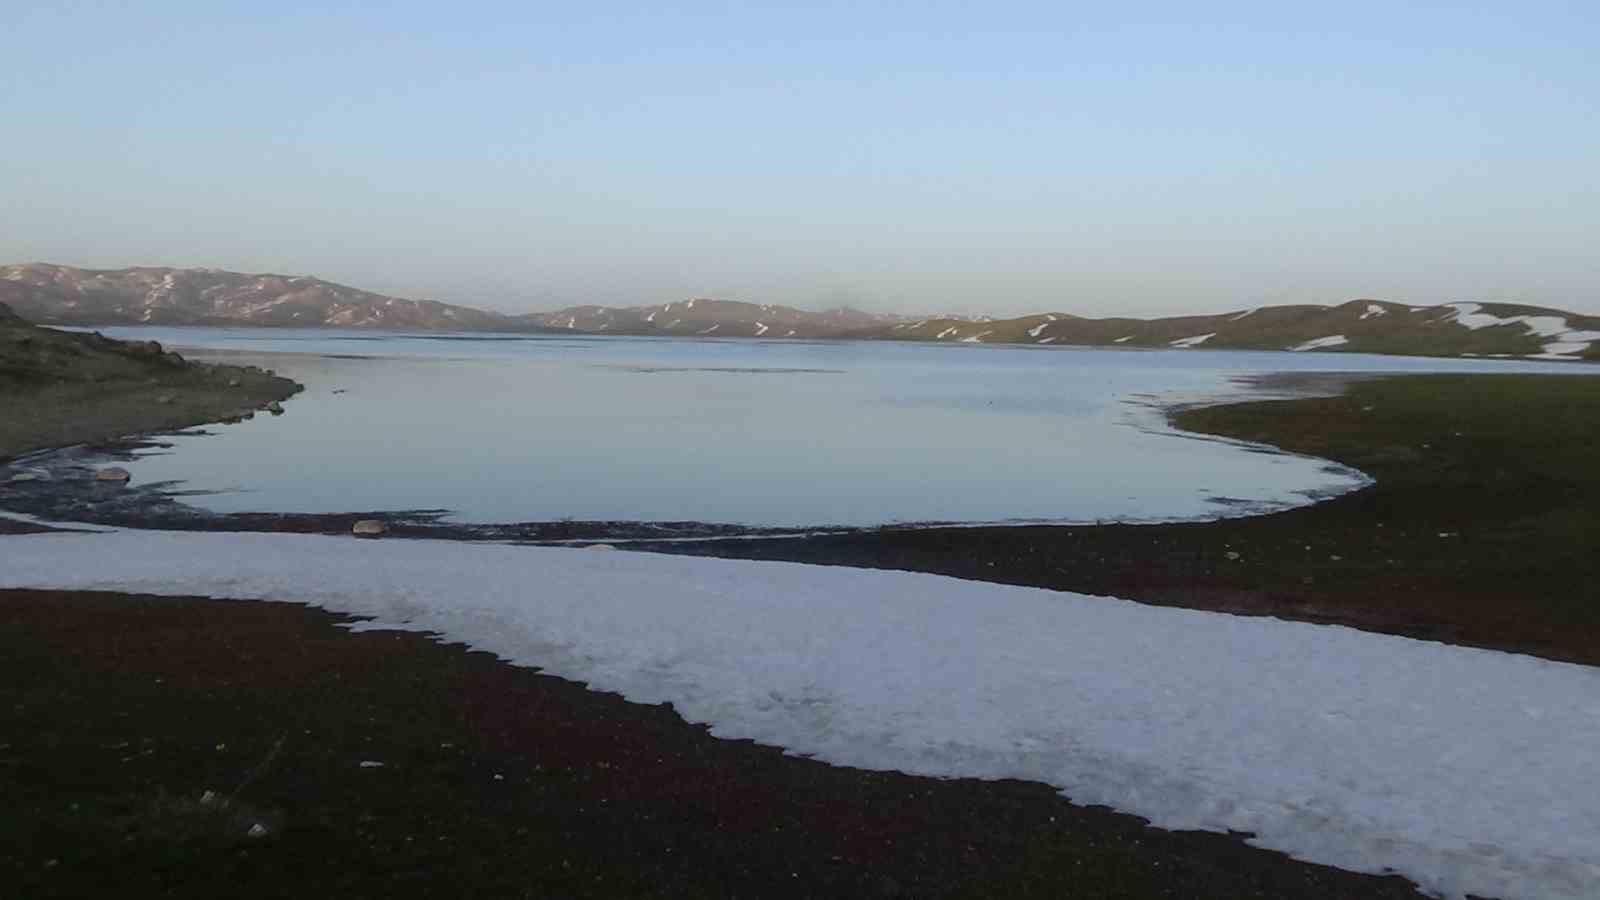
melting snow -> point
(1332, 340)
(1568, 342)
(760, 329)
(1467, 770)
(945, 333)
(1124, 339)
(1374, 310)
(1036, 330)
(977, 338)
(1247, 312)
(1195, 341)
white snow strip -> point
(1332, 340)
(691, 305)
(572, 321)
(711, 329)
(1467, 770)
(1195, 341)
(977, 338)
(1038, 329)
(1470, 315)
(1563, 349)
(651, 317)
(790, 334)
(945, 333)
(760, 329)
(1374, 310)
(1048, 340)
(1247, 312)
(1123, 340)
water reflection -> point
(511, 428)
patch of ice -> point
(1195, 341)
(1460, 768)
(1332, 340)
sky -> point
(1140, 158)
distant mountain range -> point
(62, 295)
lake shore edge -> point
(965, 838)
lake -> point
(513, 428)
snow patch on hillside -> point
(1463, 769)
(1197, 340)
(1332, 340)
(1566, 343)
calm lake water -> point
(501, 428)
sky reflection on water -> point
(504, 428)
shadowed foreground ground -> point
(120, 712)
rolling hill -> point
(62, 295)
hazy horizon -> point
(1157, 159)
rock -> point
(369, 527)
(257, 830)
(274, 407)
(112, 474)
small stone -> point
(112, 474)
(257, 830)
(369, 527)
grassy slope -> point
(59, 388)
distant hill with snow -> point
(63, 295)
(1360, 326)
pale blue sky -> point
(1137, 158)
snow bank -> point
(1197, 340)
(1464, 769)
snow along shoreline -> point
(1463, 769)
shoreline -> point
(819, 806)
